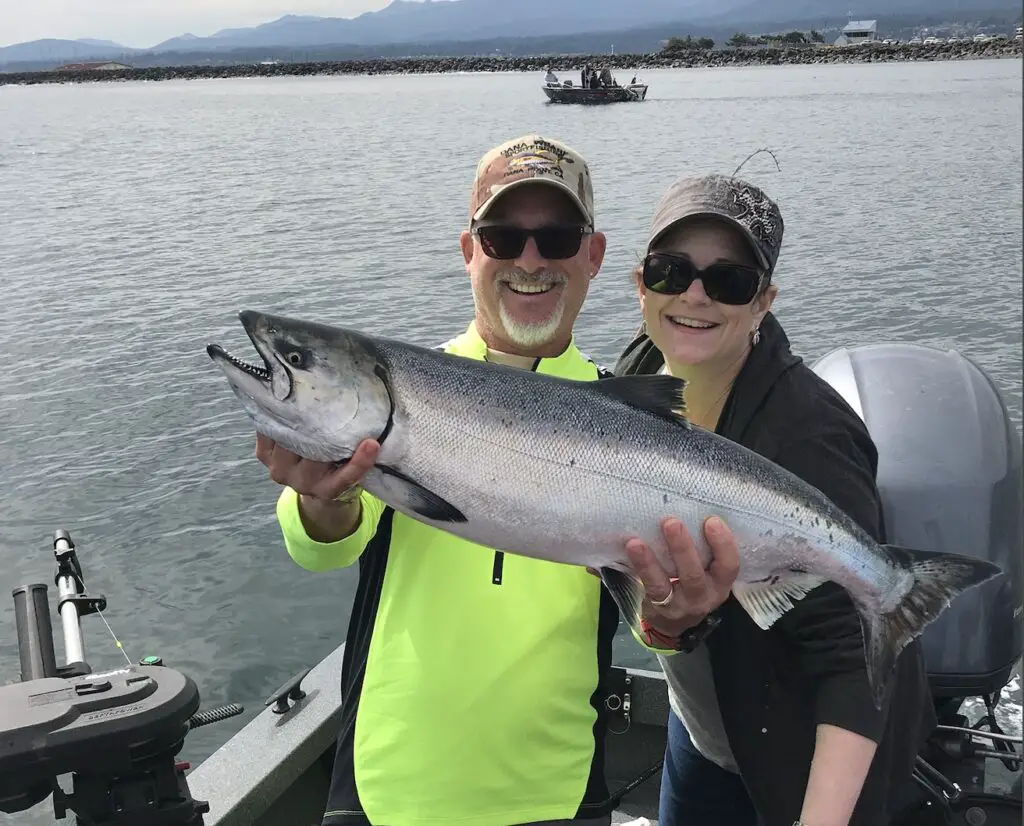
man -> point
(473, 681)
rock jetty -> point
(749, 56)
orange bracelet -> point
(651, 633)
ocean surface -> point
(137, 219)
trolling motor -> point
(116, 732)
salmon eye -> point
(296, 358)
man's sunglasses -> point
(670, 273)
(507, 242)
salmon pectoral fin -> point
(628, 593)
(406, 495)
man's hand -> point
(693, 592)
(320, 480)
(325, 517)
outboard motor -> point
(950, 479)
(949, 474)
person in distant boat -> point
(768, 727)
(585, 76)
(606, 77)
(473, 685)
(551, 79)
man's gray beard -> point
(529, 335)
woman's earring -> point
(756, 337)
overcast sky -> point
(142, 23)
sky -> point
(144, 23)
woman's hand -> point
(674, 604)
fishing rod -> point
(116, 732)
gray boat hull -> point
(634, 92)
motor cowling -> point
(949, 475)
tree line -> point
(682, 45)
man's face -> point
(527, 304)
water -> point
(138, 218)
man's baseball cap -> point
(531, 159)
(741, 204)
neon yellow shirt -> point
(471, 676)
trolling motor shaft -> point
(32, 617)
(116, 732)
(74, 603)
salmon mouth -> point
(272, 375)
(260, 373)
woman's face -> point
(690, 328)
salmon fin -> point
(628, 593)
(405, 494)
(769, 599)
(661, 395)
(938, 578)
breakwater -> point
(759, 56)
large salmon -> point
(567, 471)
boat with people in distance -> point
(595, 87)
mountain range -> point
(437, 21)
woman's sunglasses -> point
(507, 242)
(670, 273)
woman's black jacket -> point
(775, 687)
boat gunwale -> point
(246, 775)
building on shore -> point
(103, 66)
(858, 31)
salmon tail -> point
(938, 578)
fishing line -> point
(757, 152)
(113, 636)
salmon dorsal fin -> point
(662, 395)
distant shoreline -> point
(571, 64)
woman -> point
(773, 727)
